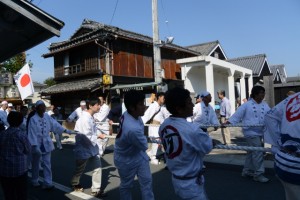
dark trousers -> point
(14, 188)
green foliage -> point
(14, 64)
(49, 81)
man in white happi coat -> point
(225, 113)
(75, 115)
(185, 146)
(130, 156)
(39, 126)
(204, 113)
(283, 133)
(102, 124)
(152, 117)
(87, 150)
(253, 113)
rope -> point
(244, 148)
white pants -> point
(46, 158)
(254, 159)
(127, 177)
(102, 143)
(291, 190)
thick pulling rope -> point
(227, 147)
(243, 148)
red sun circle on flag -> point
(25, 80)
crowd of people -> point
(178, 128)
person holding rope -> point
(185, 146)
(205, 114)
(130, 156)
(283, 133)
(250, 113)
(225, 113)
(151, 116)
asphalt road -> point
(223, 181)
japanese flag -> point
(24, 82)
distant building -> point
(279, 73)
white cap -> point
(82, 103)
(10, 105)
(204, 94)
(39, 102)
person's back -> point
(185, 145)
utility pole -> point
(156, 43)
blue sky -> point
(243, 27)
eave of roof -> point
(99, 30)
(255, 62)
(72, 86)
(23, 27)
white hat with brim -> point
(82, 103)
(10, 105)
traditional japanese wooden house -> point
(99, 58)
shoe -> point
(35, 184)
(60, 148)
(247, 174)
(154, 161)
(99, 194)
(48, 187)
(77, 188)
(260, 178)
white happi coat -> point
(86, 140)
(101, 116)
(131, 143)
(204, 115)
(251, 113)
(76, 114)
(38, 131)
(283, 132)
(153, 109)
(185, 145)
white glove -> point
(36, 150)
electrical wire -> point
(164, 14)
(114, 12)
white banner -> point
(24, 82)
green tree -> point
(14, 64)
(49, 81)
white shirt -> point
(225, 108)
(86, 140)
(153, 109)
(251, 113)
(204, 115)
(101, 116)
(38, 131)
(185, 145)
(76, 114)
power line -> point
(114, 12)
(166, 20)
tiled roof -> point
(293, 79)
(96, 30)
(281, 71)
(255, 63)
(205, 48)
(86, 84)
